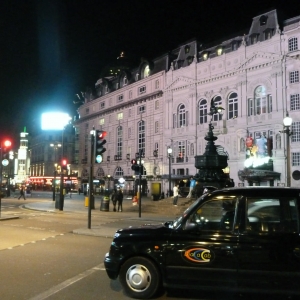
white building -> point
(164, 103)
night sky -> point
(53, 49)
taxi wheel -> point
(140, 278)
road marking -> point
(67, 283)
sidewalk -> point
(151, 212)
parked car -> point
(241, 239)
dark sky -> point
(52, 49)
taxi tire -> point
(140, 278)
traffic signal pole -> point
(91, 188)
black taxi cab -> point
(241, 239)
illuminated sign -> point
(55, 120)
(256, 161)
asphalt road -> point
(41, 258)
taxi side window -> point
(217, 214)
(271, 215)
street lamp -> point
(55, 147)
(287, 122)
(170, 157)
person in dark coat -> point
(119, 199)
(113, 198)
(22, 194)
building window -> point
(120, 116)
(157, 104)
(101, 122)
(295, 102)
(295, 158)
(294, 77)
(119, 172)
(205, 56)
(119, 141)
(218, 102)
(181, 151)
(202, 111)
(106, 90)
(219, 51)
(142, 89)
(181, 116)
(156, 84)
(102, 105)
(87, 111)
(125, 81)
(192, 149)
(156, 126)
(141, 136)
(141, 109)
(130, 95)
(296, 132)
(146, 71)
(120, 98)
(293, 44)
(262, 101)
(232, 106)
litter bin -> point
(57, 197)
(104, 203)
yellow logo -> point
(199, 255)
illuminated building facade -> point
(254, 77)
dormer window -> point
(187, 49)
(137, 76)
(268, 33)
(146, 71)
(205, 56)
(179, 63)
(219, 51)
(263, 20)
(254, 38)
(125, 81)
(190, 59)
(234, 45)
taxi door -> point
(269, 248)
(202, 251)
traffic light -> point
(99, 143)
(6, 146)
(64, 164)
(135, 166)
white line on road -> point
(67, 283)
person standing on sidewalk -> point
(119, 199)
(175, 194)
(192, 185)
(22, 194)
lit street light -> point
(287, 122)
(170, 157)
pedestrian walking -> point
(175, 194)
(119, 199)
(22, 194)
(113, 198)
(192, 185)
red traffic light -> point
(101, 134)
(64, 162)
(7, 143)
(133, 161)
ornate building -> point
(165, 103)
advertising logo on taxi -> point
(198, 255)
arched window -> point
(232, 106)
(202, 111)
(181, 115)
(141, 136)
(119, 141)
(119, 172)
(146, 72)
(217, 102)
(262, 101)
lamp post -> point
(170, 157)
(287, 122)
(55, 147)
